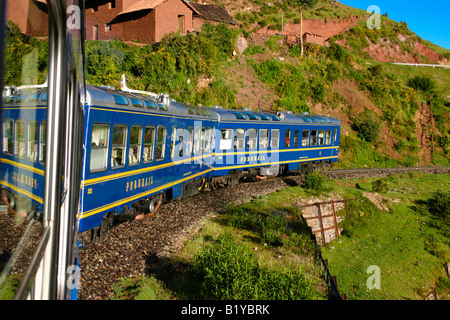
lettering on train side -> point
(140, 183)
(24, 179)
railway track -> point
(133, 247)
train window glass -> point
(252, 139)
(239, 139)
(226, 138)
(42, 141)
(162, 107)
(189, 138)
(275, 118)
(252, 116)
(121, 100)
(296, 139)
(328, 138)
(173, 142)
(99, 147)
(44, 96)
(239, 115)
(313, 137)
(134, 151)
(287, 138)
(8, 136)
(136, 102)
(321, 137)
(275, 138)
(20, 139)
(35, 96)
(263, 138)
(150, 104)
(264, 117)
(305, 138)
(161, 143)
(197, 136)
(32, 141)
(119, 141)
(208, 138)
(335, 134)
(149, 143)
(204, 138)
(180, 143)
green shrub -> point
(230, 270)
(422, 83)
(367, 126)
(314, 181)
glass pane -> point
(149, 141)
(99, 147)
(305, 138)
(275, 138)
(22, 113)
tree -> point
(304, 4)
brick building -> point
(146, 21)
(29, 15)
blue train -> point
(141, 149)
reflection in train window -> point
(161, 143)
(20, 139)
(32, 141)
(119, 141)
(275, 138)
(99, 147)
(134, 155)
(42, 142)
(149, 144)
(8, 136)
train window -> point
(32, 141)
(20, 139)
(120, 99)
(226, 138)
(134, 151)
(197, 136)
(252, 116)
(321, 137)
(119, 141)
(263, 138)
(239, 115)
(305, 138)
(328, 138)
(149, 143)
(173, 142)
(239, 139)
(252, 139)
(208, 139)
(162, 106)
(275, 138)
(263, 116)
(335, 134)
(136, 102)
(189, 138)
(313, 137)
(296, 139)
(287, 138)
(150, 104)
(161, 143)
(180, 143)
(99, 147)
(8, 136)
(42, 141)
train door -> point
(40, 189)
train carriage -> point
(24, 119)
(137, 148)
(262, 144)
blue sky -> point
(428, 19)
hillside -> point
(392, 115)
